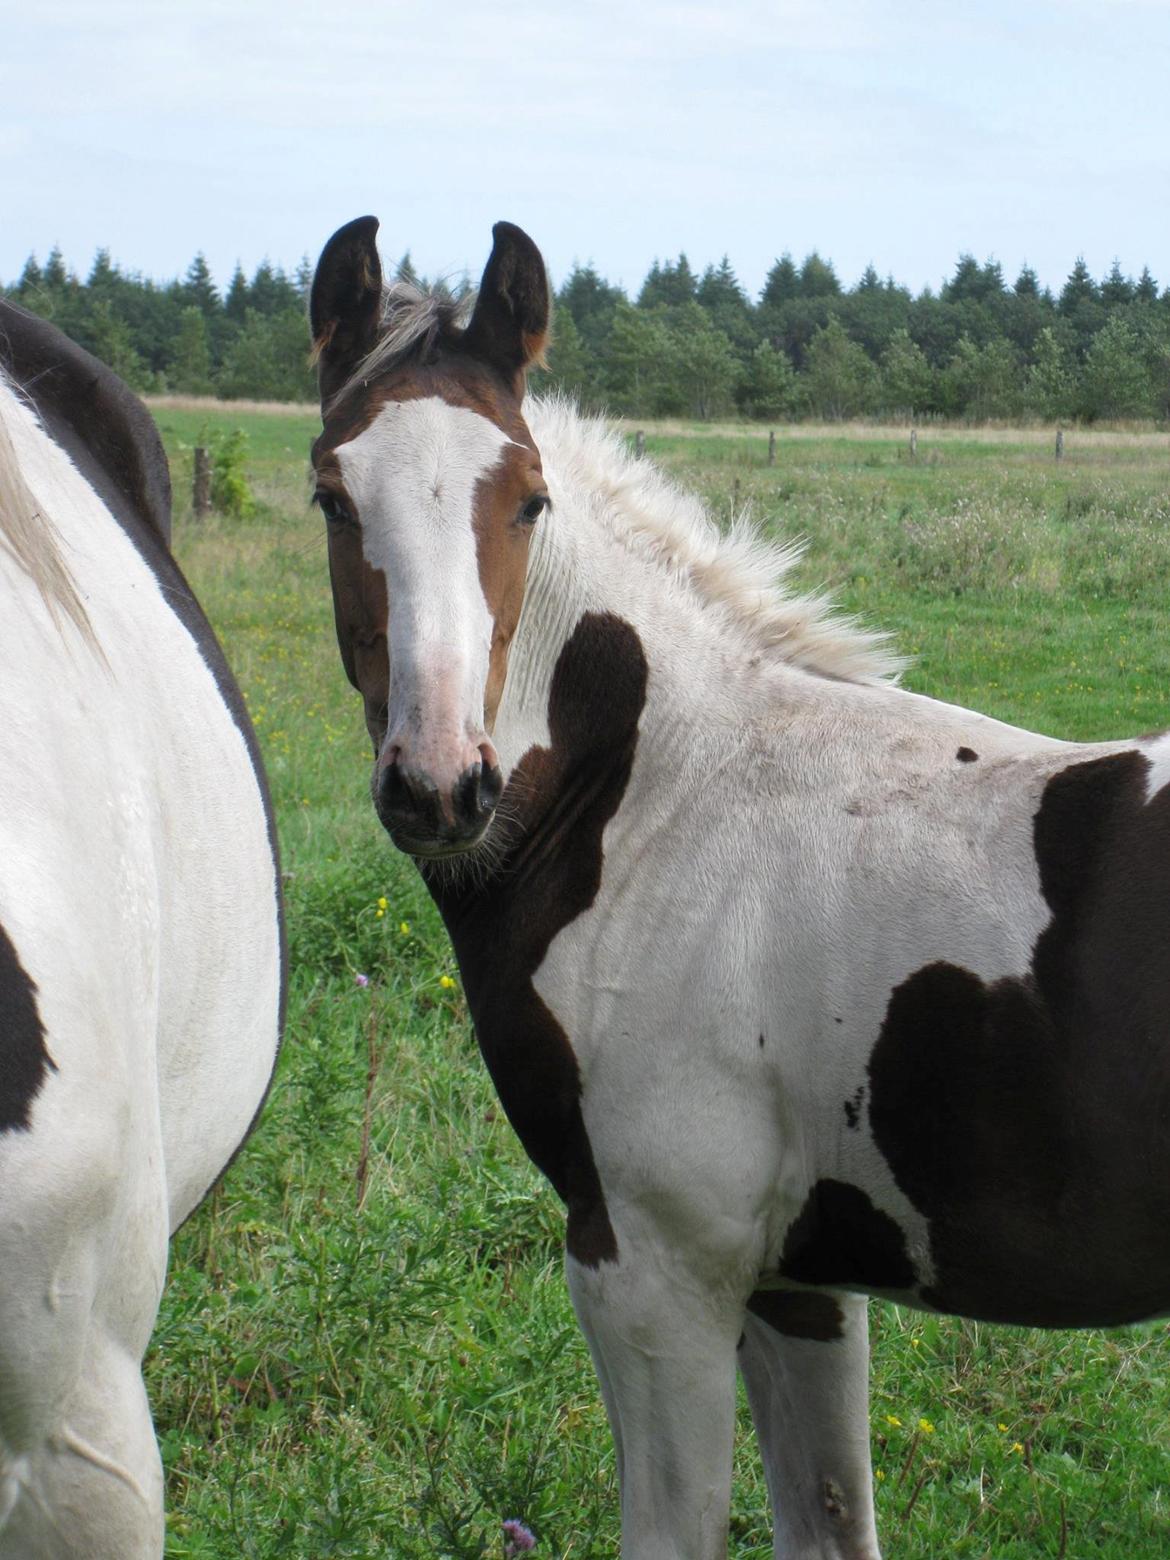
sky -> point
(891, 132)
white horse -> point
(141, 965)
(797, 986)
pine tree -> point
(1079, 289)
(782, 283)
(1051, 388)
(32, 279)
(198, 288)
(818, 278)
(1115, 381)
(190, 366)
(1116, 289)
(768, 389)
(236, 303)
(839, 378)
(1146, 290)
(55, 275)
(727, 306)
(103, 276)
(907, 380)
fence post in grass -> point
(201, 496)
(772, 448)
(914, 444)
(639, 444)
(1060, 444)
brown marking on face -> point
(1029, 1119)
(799, 1313)
(502, 540)
(559, 799)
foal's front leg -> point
(664, 1350)
(805, 1364)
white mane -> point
(27, 535)
(740, 572)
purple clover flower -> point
(518, 1539)
(360, 980)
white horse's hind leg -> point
(93, 1488)
(809, 1397)
(665, 1358)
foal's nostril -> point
(393, 794)
(476, 795)
(491, 785)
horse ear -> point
(345, 303)
(510, 326)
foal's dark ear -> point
(509, 328)
(345, 303)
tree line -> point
(689, 344)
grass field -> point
(366, 1348)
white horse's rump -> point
(795, 985)
(140, 962)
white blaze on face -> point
(412, 476)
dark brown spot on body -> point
(24, 1057)
(839, 1240)
(799, 1313)
(1029, 1119)
(853, 1108)
(560, 798)
(966, 755)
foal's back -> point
(140, 963)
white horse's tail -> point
(30, 538)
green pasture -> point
(365, 1348)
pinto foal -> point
(798, 987)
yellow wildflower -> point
(1018, 1446)
(879, 1474)
(892, 1419)
(404, 928)
(378, 914)
(382, 902)
(446, 982)
(1001, 1427)
(926, 1427)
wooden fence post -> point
(1060, 443)
(914, 444)
(772, 448)
(201, 496)
(639, 444)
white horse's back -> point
(140, 980)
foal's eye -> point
(332, 508)
(534, 508)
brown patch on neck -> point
(562, 797)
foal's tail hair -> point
(30, 538)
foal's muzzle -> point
(425, 819)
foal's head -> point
(430, 485)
